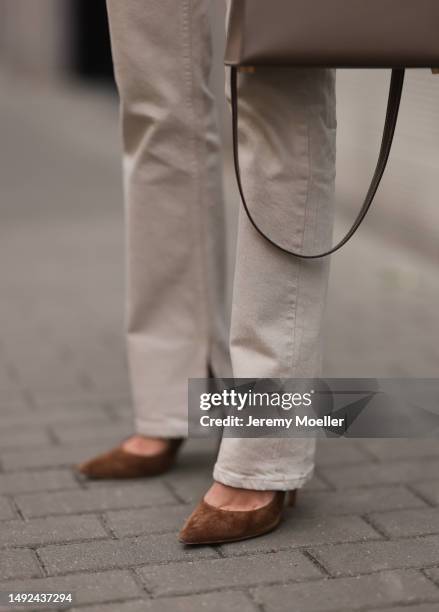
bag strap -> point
(394, 101)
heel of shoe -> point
(292, 498)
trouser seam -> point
(297, 341)
(198, 220)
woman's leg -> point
(175, 264)
(287, 132)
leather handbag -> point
(394, 34)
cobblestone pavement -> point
(365, 534)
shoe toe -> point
(107, 465)
(200, 526)
(209, 525)
(89, 469)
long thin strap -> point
(395, 93)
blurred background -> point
(61, 247)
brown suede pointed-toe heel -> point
(118, 463)
(210, 525)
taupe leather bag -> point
(394, 34)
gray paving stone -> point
(394, 448)
(13, 437)
(94, 500)
(339, 452)
(47, 400)
(348, 594)
(83, 432)
(54, 456)
(295, 532)
(190, 486)
(137, 605)
(8, 387)
(63, 385)
(428, 607)
(109, 554)
(183, 578)
(428, 490)
(316, 484)
(86, 588)
(147, 520)
(58, 414)
(433, 574)
(71, 404)
(43, 480)
(15, 406)
(18, 564)
(356, 501)
(93, 485)
(195, 449)
(226, 601)
(406, 523)
(6, 511)
(370, 474)
(364, 557)
(118, 400)
(48, 530)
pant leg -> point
(175, 264)
(287, 132)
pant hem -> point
(160, 430)
(260, 484)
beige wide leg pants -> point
(172, 170)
